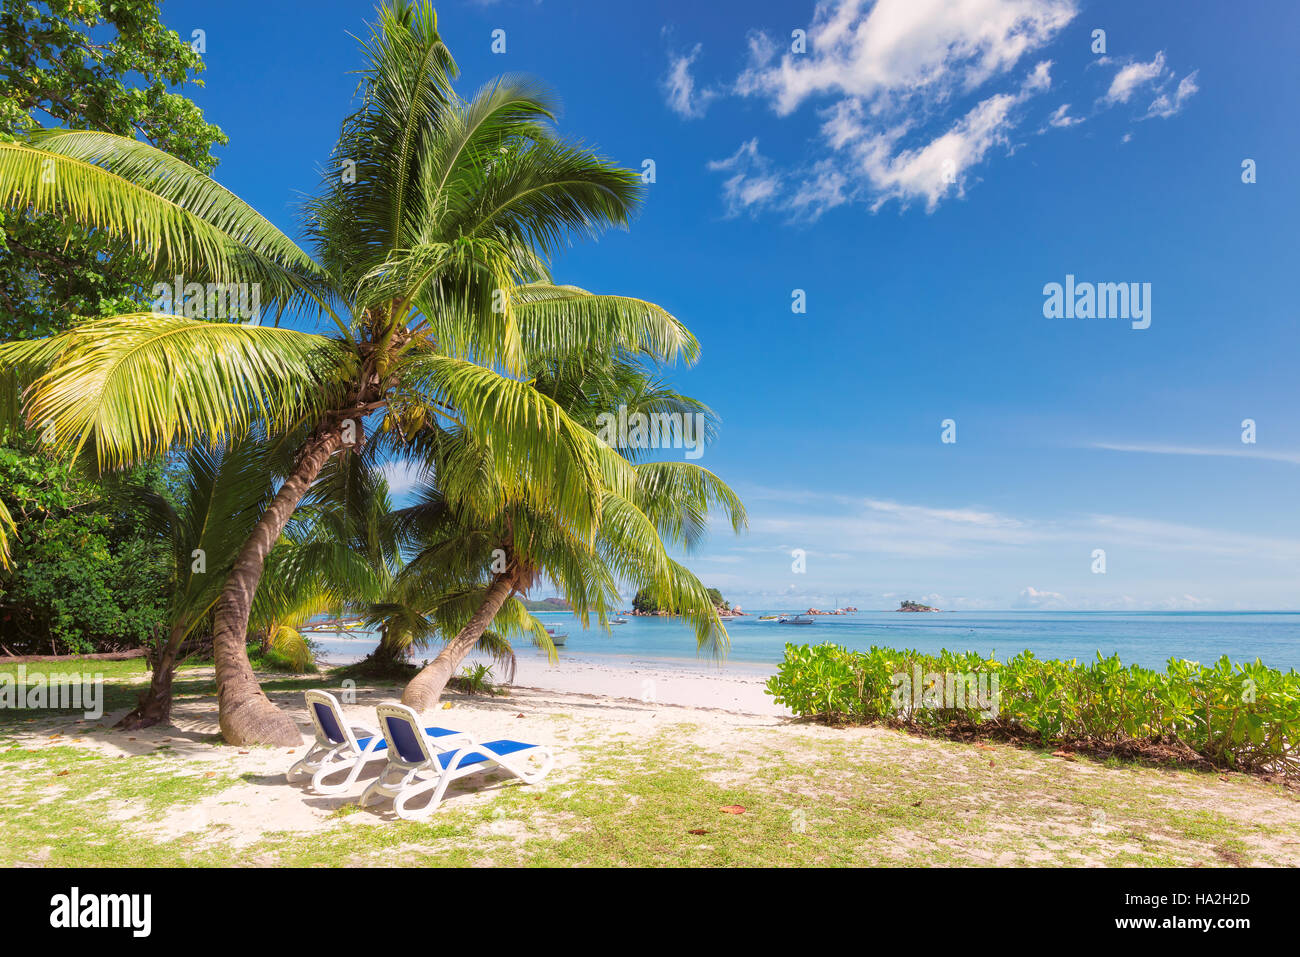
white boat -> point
(618, 621)
(557, 639)
(796, 620)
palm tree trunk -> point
(155, 704)
(425, 688)
(247, 715)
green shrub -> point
(87, 575)
(474, 679)
(1245, 716)
(271, 659)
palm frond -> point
(678, 496)
(505, 113)
(139, 383)
(157, 204)
(539, 453)
(287, 641)
(563, 319)
(372, 186)
(218, 499)
(544, 191)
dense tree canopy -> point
(82, 576)
(53, 73)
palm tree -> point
(216, 504)
(217, 500)
(431, 235)
(481, 547)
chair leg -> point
(439, 786)
(317, 780)
(354, 766)
(381, 787)
(310, 762)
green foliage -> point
(1244, 716)
(715, 596)
(52, 271)
(376, 667)
(545, 604)
(293, 657)
(475, 679)
(644, 602)
(915, 606)
(83, 578)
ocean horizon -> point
(1147, 638)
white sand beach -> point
(735, 687)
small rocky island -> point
(916, 606)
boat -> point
(557, 639)
(770, 617)
(796, 620)
(618, 621)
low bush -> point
(1245, 717)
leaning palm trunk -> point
(247, 715)
(426, 688)
(155, 704)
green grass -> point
(130, 668)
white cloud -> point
(1040, 79)
(961, 516)
(894, 52)
(1164, 106)
(824, 187)
(1176, 537)
(873, 550)
(913, 96)
(888, 69)
(931, 171)
(752, 184)
(679, 87)
(1061, 118)
(880, 527)
(1128, 79)
(1244, 452)
(1031, 597)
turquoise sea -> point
(1144, 638)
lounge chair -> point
(343, 746)
(418, 763)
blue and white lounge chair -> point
(418, 763)
(342, 746)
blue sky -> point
(922, 170)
